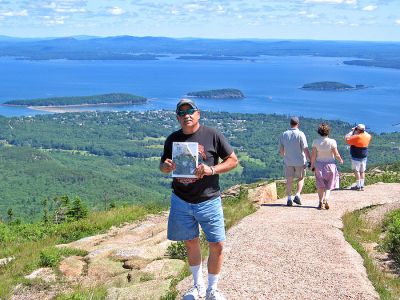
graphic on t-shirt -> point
(185, 156)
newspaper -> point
(185, 156)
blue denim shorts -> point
(185, 218)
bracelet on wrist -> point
(212, 170)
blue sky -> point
(377, 20)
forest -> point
(109, 158)
(114, 98)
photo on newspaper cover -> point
(185, 156)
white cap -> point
(361, 127)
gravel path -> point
(298, 252)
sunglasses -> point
(189, 111)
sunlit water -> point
(271, 85)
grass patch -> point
(356, 232)
(96, 293)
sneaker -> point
(326, 205)
(361, 188)
(195, 292)
(297, 200)
(214, 295)
(289, 202)
(355, 188)
(320, 205)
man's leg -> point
(289, 184)
(215, 260)
(362, 180)
(194, 258)
(300, 184)
(358, 178)
(193, 252)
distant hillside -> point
(115, 98)
(218, 94)
(130, 47)
(113, 157)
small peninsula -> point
(331, 86)
(104, 99)
(218, 94)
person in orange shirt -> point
(359, 140)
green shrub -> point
(392, 239)
(49, 257)
(177, 250)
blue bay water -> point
(271, 85)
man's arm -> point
(282, 151)
(307, 153)
(228, 163)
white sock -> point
(212, 281)
(197, 275)
(298, 195)
(289, 197)
(359, 183)
(327, 194)
(362, 182)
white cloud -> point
(116, 11)
(192, 7)
(57, 20)
(397, 22)
(21, 13)
(312, 16)
(70, 10)
(370, 8)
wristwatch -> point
(212, 170)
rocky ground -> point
(299, 252)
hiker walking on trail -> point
(359, 140)
(196, 201)
(324, 153)
(294, 149)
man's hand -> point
(167, 166)
(203, 170)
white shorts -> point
(359, 165)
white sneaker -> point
(195, 292)
(214, 295)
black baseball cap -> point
(187, 101)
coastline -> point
(72, 108)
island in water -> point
(208, 57)
(61, 104)
(331, 86)
(218, 94)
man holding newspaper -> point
(195, 198)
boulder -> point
(153, 289)
(104, 269)
(72, 267)
(45, 274)
(265, 193)
(135, 264)
(165, 268)
(6, 260)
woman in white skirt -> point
(324, 153)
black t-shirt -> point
(212, 146)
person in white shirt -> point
(324, 153)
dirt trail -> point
(299, 252)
